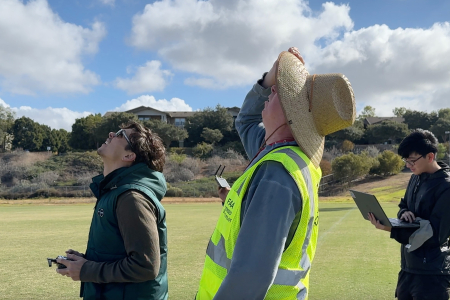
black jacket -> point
(428, 197)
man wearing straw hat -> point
(266, 236)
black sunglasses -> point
(123, 133)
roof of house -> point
(172, 114)
(375, 120)
(141, 108)
(180, 114)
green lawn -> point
(353, 260)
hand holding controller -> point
(53, 260)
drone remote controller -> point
(222, 182)
(53, 260)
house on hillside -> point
(178, 118)
(377, 120)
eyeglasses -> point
(411, 162)
(124, 134)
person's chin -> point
(100, 150)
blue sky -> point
(61, 60)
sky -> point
(62, 60)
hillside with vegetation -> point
(37, 161)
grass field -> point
(353, 260)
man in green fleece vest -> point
(126, 256)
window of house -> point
(180, 122)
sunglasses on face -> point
(123, 133)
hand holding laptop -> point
(377, 223)
(372, 211)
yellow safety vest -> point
(292, 278)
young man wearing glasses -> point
(425, 254)
(126, 256)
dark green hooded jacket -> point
(105, 242)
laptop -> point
(369, 203)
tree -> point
(386, 131)
(368, 111)
(419, 119)
(399, 111)
(219, 118)
(167, 132)
(59, 140)
(441, 151)
(352, 133)
(46, 134)
(111, 123)
(27, 134)
(212, 135)
(83, 134)
(444, 113)
(7, 117)
(440, 127)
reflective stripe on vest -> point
(289, 275)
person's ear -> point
(129, 157)
(430, 157)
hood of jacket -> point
(443, 172)
(139, 174)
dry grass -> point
(22, 158)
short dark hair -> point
(147, 146)
(419, 141)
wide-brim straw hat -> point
(314, 105)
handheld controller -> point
(222, 182)
(53, 260)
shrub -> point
(204, 187)
(46, 177)
(347, 146)
(235, 146)
(331, 153)
(45, 193)
(177, 157)
(181, 174)
(202, 150)
(325, 165)
(389, 164)
(373, 151)
(351, 166)
(174, 192)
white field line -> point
(324, 234)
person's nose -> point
(111, 135)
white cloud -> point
(174, 104)
(56, 118)
(147, 78)
(393, 67)
(42, 53)
(108, 2)
(230, 43)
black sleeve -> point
(440, 220)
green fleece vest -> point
(106, 244)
